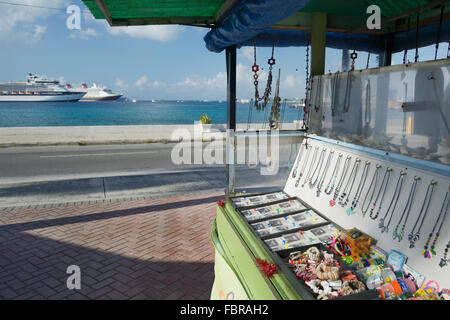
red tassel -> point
(269, 269)
(221, 203)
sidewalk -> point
(145, 249)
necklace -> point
(443, 213)
(352, 178)
(358, 193)
(274, 119)
(324, 173)
(255, 69)
(373, 184)
(415, 235)
(330, 185)
(294, 172)
(394, 201)
(300, 175)
(341, 180)
(444, 259)
(409, 202)
(312, 182)
(311, 165)
(386, 177)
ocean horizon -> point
(141, 112)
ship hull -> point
(70, 97)
(103, 98)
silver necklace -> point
(330, 185)
(413, 236)
(352, 177)
(324, 173)
(312, 182)
(311, 165)
(360, 188)
(373, 184)
(300, 175)
(407, 210)
(393, 204)
(341, 180)
(383, 186)
(294, 173)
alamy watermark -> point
(74, 280)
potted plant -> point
(205, 123)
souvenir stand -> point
(363, 213)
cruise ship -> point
(95, 93)
(37, 89)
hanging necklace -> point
(443, 213)
(300, 175)
(341, 180)
(324, 173)
(350, 183)
(330, 186)
(311, 165)
(386, 177)
(268, 90)
(409, 202)
(373, 184)
(312, 182)
(358, 193)
(274, 119)
(415, 235)
(294, 172)
(393, 204)
(444, 259)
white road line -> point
(96, 154)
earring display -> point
(312, 180)
(311, 165)
(330, 185)
(350, 182)
(359, 190)
(371, 191)
(442, 214)
(324, 173)
(300, 175)
(415, 235)
(393, 203)
(270, 211)
(341, 180)
(409, 202)
(247, 201)
(382, 192)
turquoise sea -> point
(125, 113)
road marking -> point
(96, 154)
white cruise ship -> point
(95, 93)
(37, 89)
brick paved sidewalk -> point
(142, 249)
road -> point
(30, 175)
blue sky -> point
(150, 62)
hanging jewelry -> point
(341, 180)
(358, 193)
(383, 187)
(330, 186)
(373, 184)
(351, 178)
(324, 173)
(312, 182)
(415, 235)
(311, 165)
(294, 172)
(407, 210)
(367, 111)
(444, 259)
(393, 204)
(270, 62)
(274, 119)
(443, 213)
(255, 68)
(300, 175)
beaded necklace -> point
(341, 180)
(373, 184)
(386, 177)
(358, 193)
(324, 173)
(444, 259)
(407, 210)
(352, 178)
(443, 213)
(294, 172)
(393, 204)
(415, 235)
(311, 165)
(300, 175)
(312, 182)
(330, 186)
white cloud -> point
(246, 53)
(292, 82)
(142, 81)
(84, 33)
(39, 31)
(121, 83)
(158, 32)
